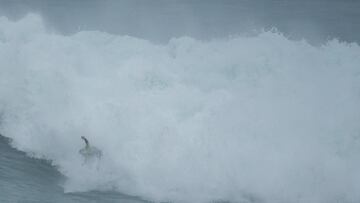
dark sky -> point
(160, 20)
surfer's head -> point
(85, 140)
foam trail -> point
(241, 119)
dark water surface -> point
(25, 179)
(160, 20)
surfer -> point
(90, 152)
(86, 142)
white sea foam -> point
(240, 119)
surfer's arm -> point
(86, 141)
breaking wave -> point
(241, 119)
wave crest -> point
(237, 119)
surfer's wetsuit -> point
(86, 142)
(89, 152)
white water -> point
(246, 118)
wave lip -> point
(250, 119)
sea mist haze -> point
(182, 117)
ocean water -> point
(25, 179)
(259, 118)
(161, 20)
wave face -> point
(27, 179)
(244, 119)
